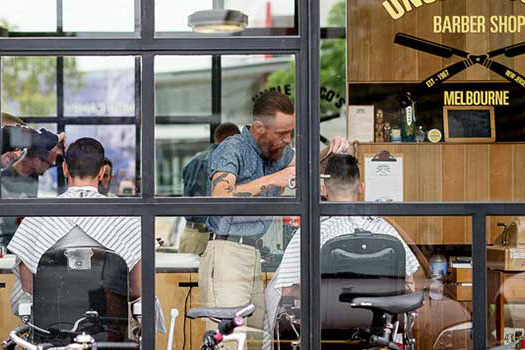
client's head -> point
(84, 165)
(343, 182)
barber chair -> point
(364, 302)
(80, 287)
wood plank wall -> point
(372, 55)
(455, 172)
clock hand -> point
(509, 51)
(428, 46)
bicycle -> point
(80, 339)
(228, 319)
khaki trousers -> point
(193, 241)
(230, 275)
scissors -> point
(292, 183)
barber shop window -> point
(366, 258)
(257, 18)
(68, 18)
(50, 102)
(66, 261)
(202, 101)
(244, 262)
(456, 127)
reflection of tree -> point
(30, 82)
(332, 64)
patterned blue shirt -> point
(240, 155)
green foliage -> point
(332, 64)
(29, 82)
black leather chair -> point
(363, 285)
(75, 276)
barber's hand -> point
(61, 143)
(281, 178)
(339, 144)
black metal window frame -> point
(305, 47)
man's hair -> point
(225, 130)
(108, 162)
(269, 103)
(344, 173)
(9, 119)
(85, 157)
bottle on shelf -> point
(420, 134)
(408, 119)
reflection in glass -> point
(89, 16)
(240, 258)
(29, 85)
(183, 86)
(100, 86)
(505, 279)
(28, 15)
(76, 265)
(261, 14)
(120, 147)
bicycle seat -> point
(221, 313)
(396, 304)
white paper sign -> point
(383, 180)
(361, 123)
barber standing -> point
(257, 162)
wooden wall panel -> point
(501, 182)
(456, 40)
(454, 228)
(373, 56)
(455, 172)
(430, 190)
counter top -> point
(164, 262)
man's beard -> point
(272, 155)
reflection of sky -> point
(118, 15)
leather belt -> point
(257, 243)
(201, 227)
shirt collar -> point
(248, 137)
(83, 188)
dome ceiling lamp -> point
(218, 21)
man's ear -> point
(65, 170)
(324, 191)
(361, 188)
(258, 127)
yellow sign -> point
(434, 135)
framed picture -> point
(469, 124)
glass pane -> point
(185, 144)
(505, 279)
(28, 15)
(242, 273)
(365, 258)
(183, 85)
(100, 86)
(264, 17)
(99, 16)
(29, 85)
(71, 266)
(333, 13)
(120, 147)
(456, 122)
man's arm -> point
(410, 284)
(224, 184)
(26, 277)
(135, 281)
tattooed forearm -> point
(265, 188)
(218, 179)
(242, 194)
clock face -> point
(435, 54)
